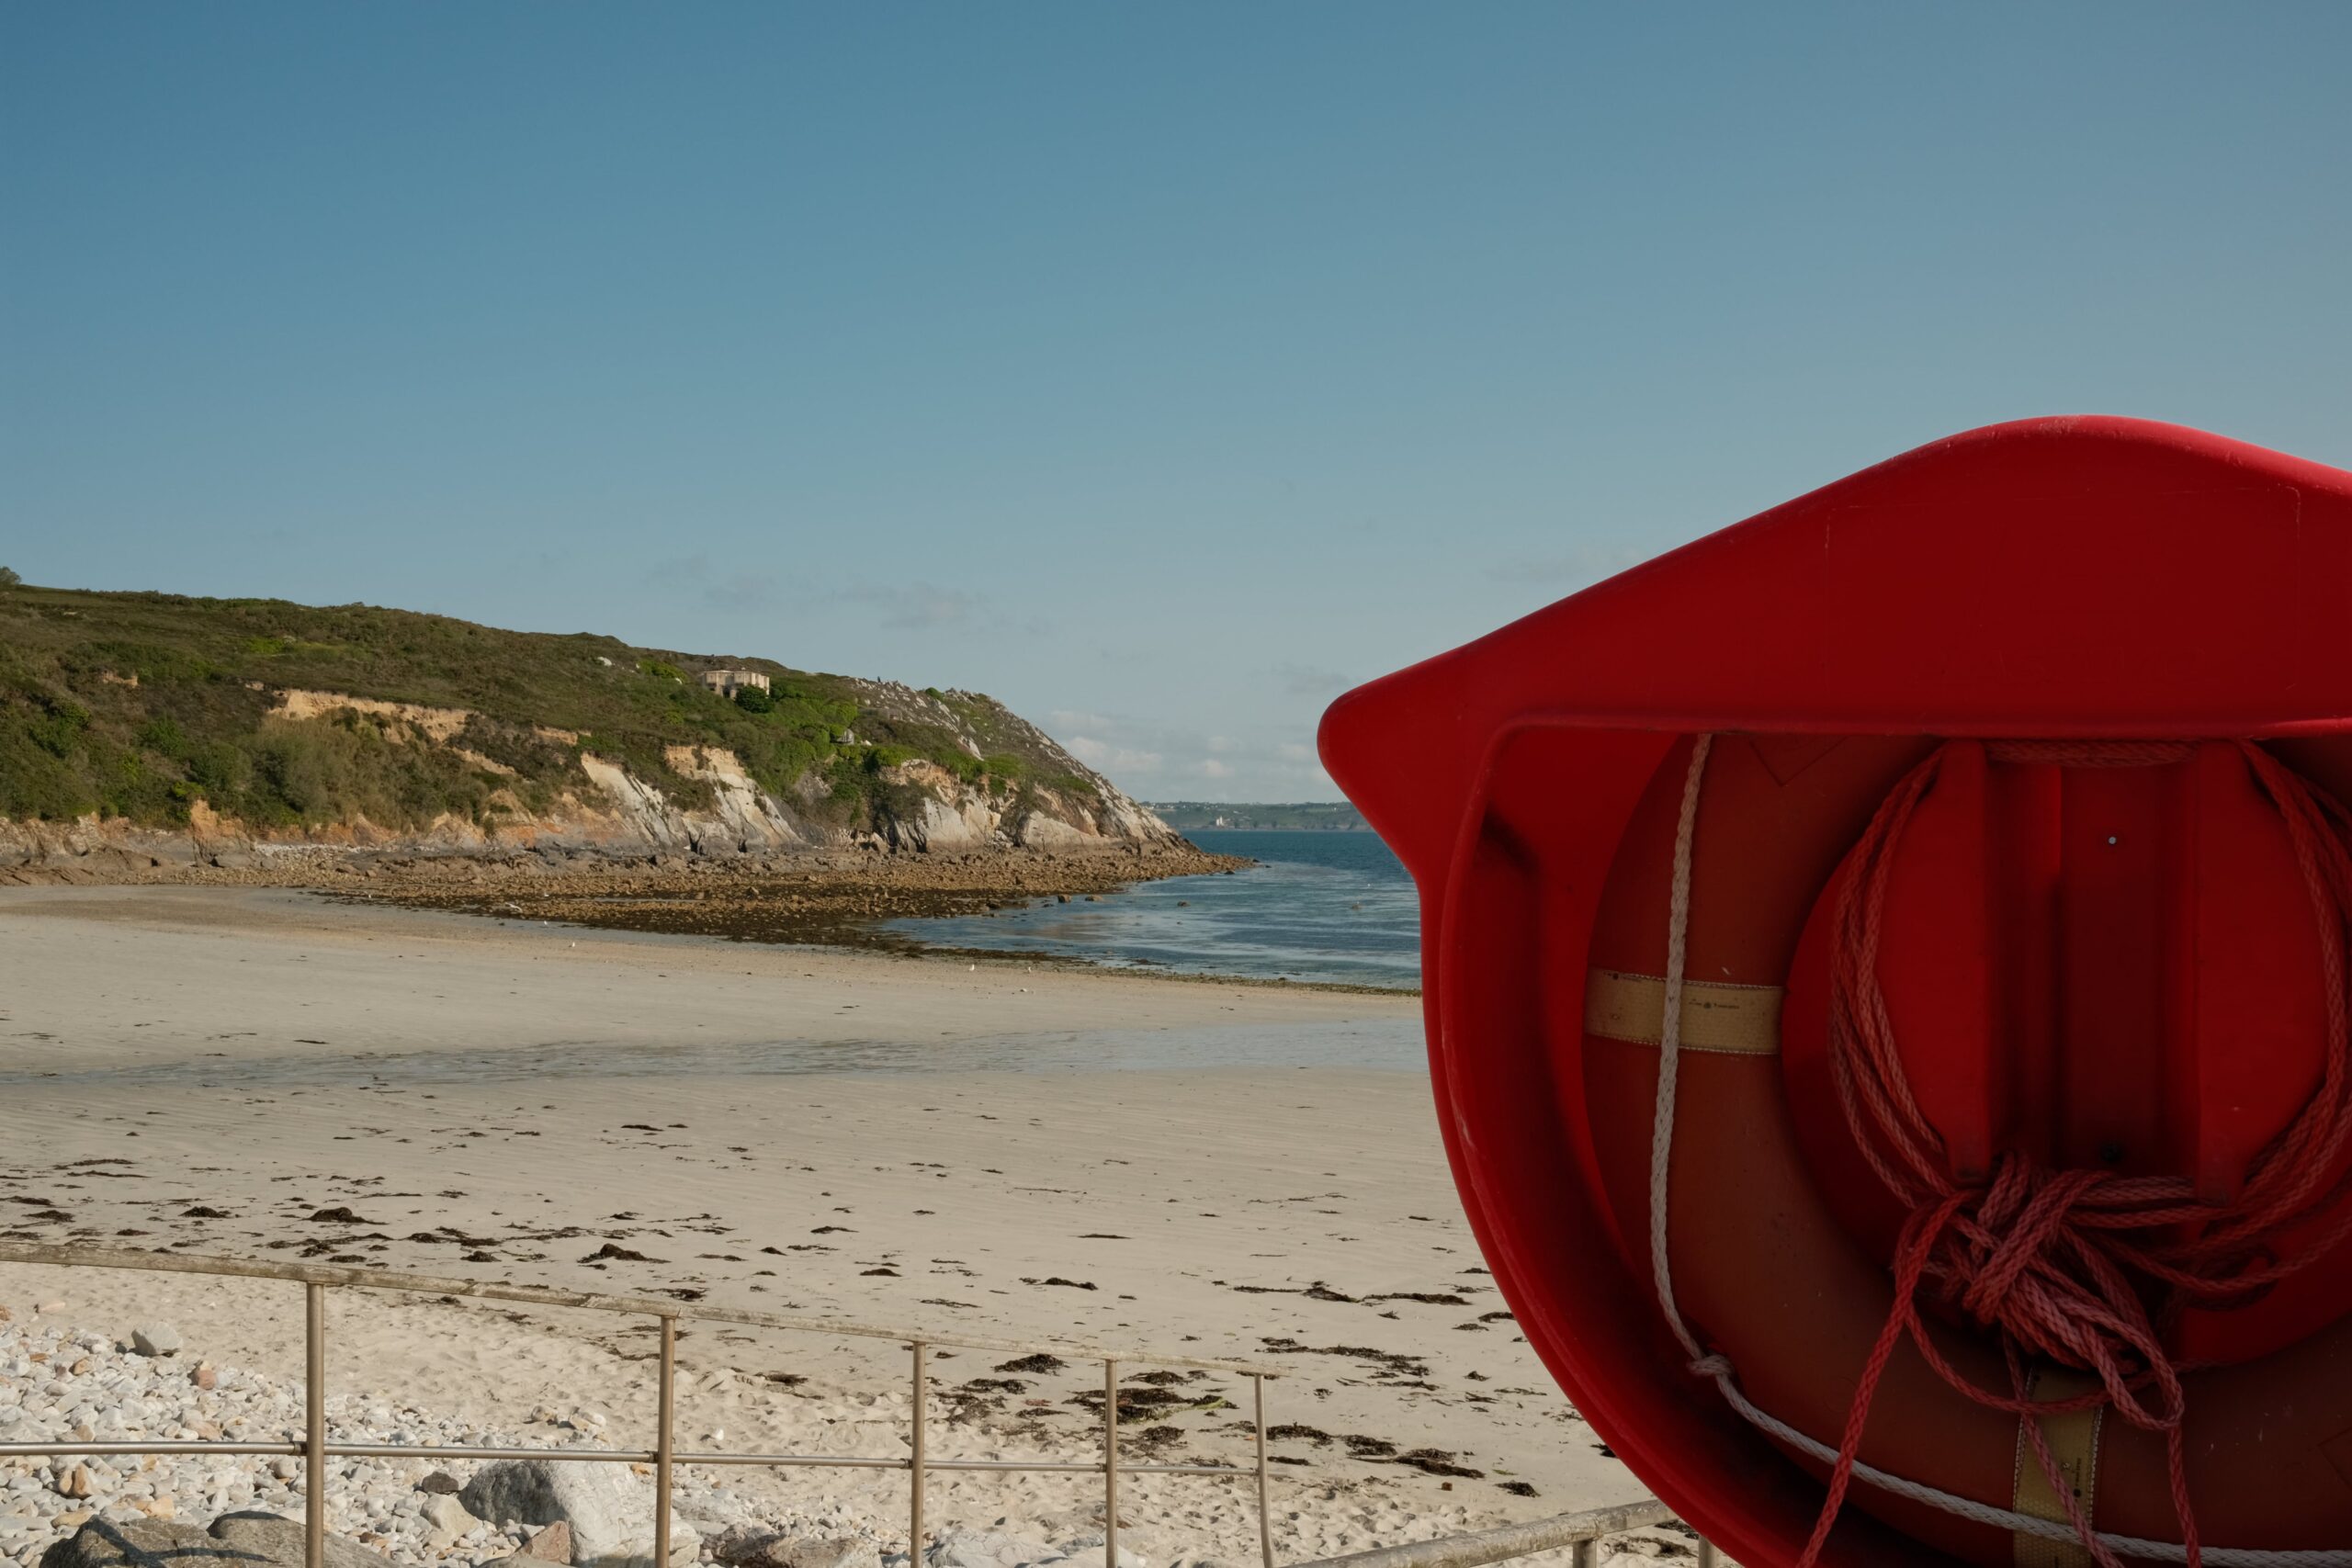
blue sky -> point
(1163, 370)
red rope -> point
(2056, 1261)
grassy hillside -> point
(140, 706)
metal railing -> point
(1581, 1533)
(1578, 1531)
(315, 1450)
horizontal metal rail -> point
(1577, 1532)
(316, 1449)
(535, 1295)
(1581, 1533)
(403, 1450)
(118, 1450)
(131, 1449)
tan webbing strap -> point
(1740, 1020)
(2074, 1443)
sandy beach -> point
(1190, 1168)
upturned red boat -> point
(1887, 986)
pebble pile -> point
(60, 1382)
(92, 1387)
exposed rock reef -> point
(836, 899)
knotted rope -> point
(2071, 1235)
(2056, 1261)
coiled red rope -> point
(2061, 1263)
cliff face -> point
(147, 729)
(917, 806)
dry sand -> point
(1190, 1168)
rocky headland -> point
(153, 738)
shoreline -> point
(838, 902)
(904, 946)
(1090, 1157)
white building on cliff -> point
(726, 682)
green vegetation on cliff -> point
(140, 705)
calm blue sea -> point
(1328, 907)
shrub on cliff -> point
(141, 705)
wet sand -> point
(1192, 1169)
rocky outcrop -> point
(409, 721)
(745, 818)
(1052, 803)
(608, 1513)
(758, 1546)
(638, 809)
(233, 1540)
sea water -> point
(1319, 906)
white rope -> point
(1669, 1043)
(1719, 1368)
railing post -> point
(915, 1465)
(1707, 1555)
(1584, 1554)
(665, 1441)
(1265, 1524)
(314, 1427)
(1110, 1463)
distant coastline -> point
(1307, 816)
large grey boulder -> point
(757, 1546)
(142, 1543)
(234, 1541)
(609, 1510)
(819, 1552)
(960, 1548)
(739, 1544)
(278, 1539)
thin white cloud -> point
(919, 606)
(1312, 680)
(1075, 718)
(1157, 761)
(1106, 757)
